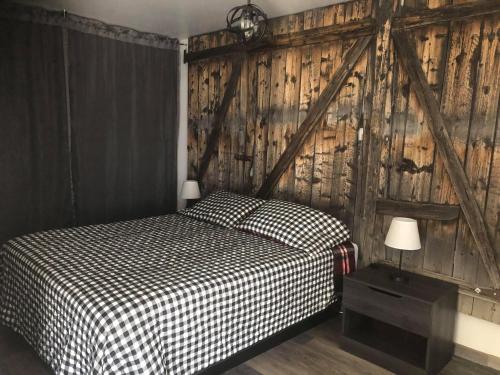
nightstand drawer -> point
(398, 310)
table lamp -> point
(190, 191)
(402, 235)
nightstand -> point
(406, 327)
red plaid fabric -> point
(344, 263)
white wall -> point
(178, 19)
(182, 158)
(478, 334)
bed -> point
(161, 295)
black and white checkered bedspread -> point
(163, 295)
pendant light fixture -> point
(248, 22)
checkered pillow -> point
(223, 208)
(296, 225)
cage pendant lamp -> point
(248, 22)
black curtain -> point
(124, 125)
(88, 126)
(35, 181)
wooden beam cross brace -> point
(445, 147)
(220, 116)
(349, 30)
(416, 17)
(314, 116)
(410, 18)
(417, 210)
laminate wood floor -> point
(315, 352)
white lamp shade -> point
(190, 190)
(403, 234)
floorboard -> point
(315, 352)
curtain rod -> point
(64, 12)
(63, 18)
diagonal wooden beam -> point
(220, 116)
(314, 116)
(465, 194)
(414, 17)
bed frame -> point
(272, 341)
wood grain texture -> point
(417, 210)
(220, 115)
(378, 107)
(295, 38)
(291, 102)
(250, 126)
(431, 44)
(193, 116)
(480, 137)
(317, 352)
(415, 17)
(487, 110)
(397, 158)
(309, 94)
(262, 120)
(314, 115)
(451, 161)
(203, 102)
(411, 18)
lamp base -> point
(398, 278)
(191, 202)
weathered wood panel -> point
(428, 211)
(216, 140)
(397, 158)
(367, 231)
(203, 102)
(478, 145)
(193, 121)
(483, 166)
(211, 177)
(309, 93)
(291, 100)
(247, 185)
(314, 116)
(262, 120)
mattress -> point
(161, 295)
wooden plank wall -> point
(276, 90)
(462, 62)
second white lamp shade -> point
(403, 234)
(190, 190)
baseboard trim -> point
(478, 357)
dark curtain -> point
(88, 125)
(35, 183)
(124, 128)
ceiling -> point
(175, 18)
